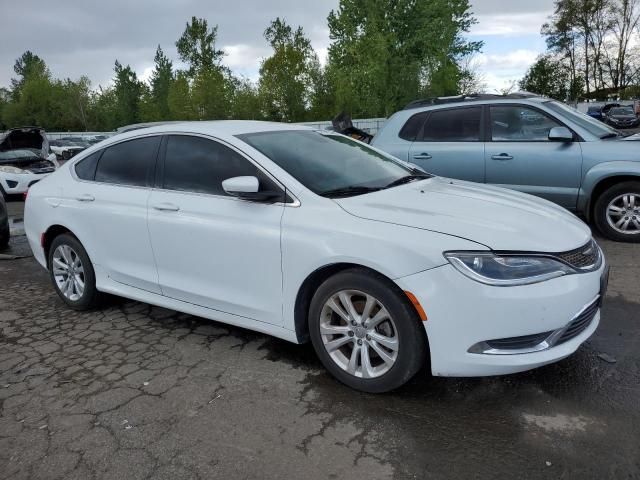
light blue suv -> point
(527, 143)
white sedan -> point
(309, 235)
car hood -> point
(623, 117)
(495, 217)
(32, 138)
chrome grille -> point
(584, 257)
(580, 323)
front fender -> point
(603, 171)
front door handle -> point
(166, 207)
(422, 156)
(85, 197)
(502, 156)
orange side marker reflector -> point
(416, 305)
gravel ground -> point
(133, 391)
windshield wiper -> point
(407, 179)
(349, 191)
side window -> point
(412, 128)
(86, 168)
(513, 123)
(196, 164)
(453, 125)
(128, 163)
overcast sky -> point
(85, 37)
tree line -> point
(593, 51)
(383, 54)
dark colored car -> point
(4, 225)
(622, 117)
(595, 112)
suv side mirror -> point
(248, 188)
(560, 134)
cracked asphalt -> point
(133, 391)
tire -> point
(615, 197)
(5, 235)
(63, 248)
(404, 330)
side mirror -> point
(560, 134)
(248, 188)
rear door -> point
(212, 249)
(450, 144)
(109, 203)
(519, 155)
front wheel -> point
(617, 212)
(72, 273)
(366, 332)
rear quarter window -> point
(86, 168)
(412, 127)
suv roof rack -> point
(467, 98)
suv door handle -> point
(166, 207)
(422, 156)
(502, 156)
(85, 197)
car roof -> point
(225, 128)
(438, 102)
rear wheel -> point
(617, 212)
(366, 332)
(72, 273)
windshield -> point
(16, 154)
(622, 111)
(591, 125)
(326, 163)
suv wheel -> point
(72, 273)
(366, 332)
(617, 212)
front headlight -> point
(506, 270)
(10, 169)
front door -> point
(519, 155)
(450, 144)
(212, 249)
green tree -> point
(197, 46)
(27, 66)
(160, 83)
(127, 90)
(397, 51)
(179, 99)
(286, 76)
(548, 77)
(246, 101)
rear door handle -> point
(502, 156)
(166, 207)
(422, 156)
(85, 197)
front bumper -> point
(17, 183)
(463, 314)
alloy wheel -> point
(68, 272)
(623, 213)
(359, 334)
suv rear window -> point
(453, 125)
(128, 163)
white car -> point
(305, 234)
(20, 169)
